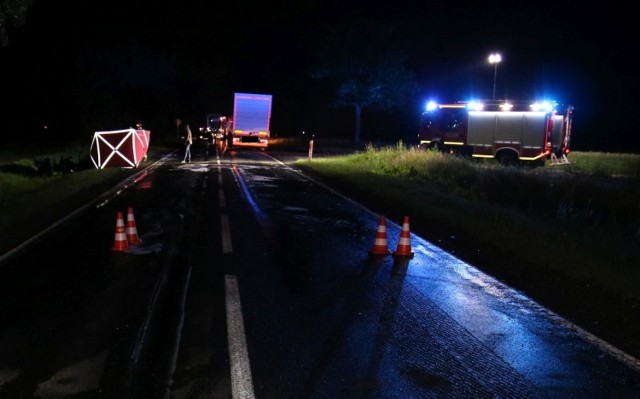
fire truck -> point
(508, 131)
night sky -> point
(69, 66)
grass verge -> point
(571, 221)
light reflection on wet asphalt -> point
(433, 321)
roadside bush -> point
(61, 166)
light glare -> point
(475, 106)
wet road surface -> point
(256, 281)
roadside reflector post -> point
(310, 149)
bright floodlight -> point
(494, 59)
(431, 105)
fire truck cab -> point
(511, 132)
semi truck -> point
(211, 128)
(508, 131)
(251, 120)
(216, 127)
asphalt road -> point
(253, 280)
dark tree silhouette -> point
(13, 14)
(122, 86)
(365, 63)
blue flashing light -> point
(546, 106)
(431, 105)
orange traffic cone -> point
(120, 243)
(404, 245)
(380, 245)
(132, 232)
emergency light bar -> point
(505, 106)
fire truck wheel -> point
(437, 146)
(507, 159)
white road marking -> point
(241, 382)
(221, 199)
(226, 235)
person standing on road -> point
(187, 145)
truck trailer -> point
(510, 132)
(251, 120)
